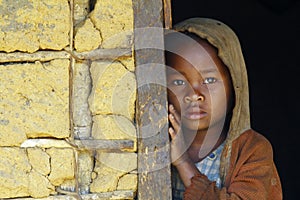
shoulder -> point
(253, 143)
(251, 137)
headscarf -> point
(229, 50)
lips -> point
(195, 113)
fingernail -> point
(171, 107)
(171, 116)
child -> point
(215, 153)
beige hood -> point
(229, 50)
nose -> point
(195, 92)
(194, 98)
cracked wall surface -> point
(63, 96)
(30, 25)
(34, 101)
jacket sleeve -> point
(202, 188)
(253, 176)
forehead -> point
(194, 54)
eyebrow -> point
(209, 70)
(177, 72)
(204, 71)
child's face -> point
(200, 88)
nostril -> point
(197, 97)
(200, 98)
(187, 99)
(194, 98)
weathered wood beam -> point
(44, 56)
(152, 124)
(167, 14)
(106, 145)
(100, 54)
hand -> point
(178, 146)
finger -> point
(174, 123)
(172, 133)
(176, 137)
(173, 111)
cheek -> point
(175, 100)
(218, 101)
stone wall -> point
(67, 100)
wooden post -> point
(167, 14)
(152, 116)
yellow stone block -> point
(106, 181)
(39, 160)
(62, 165)
(128, 182)
(34, 24)
(129, 64)
(113, 127)
(87, 37)
(124, 162)
(34, 101)
(39, 186)
(114, 19)
(110, 167)
(14, 168)
(114, 89)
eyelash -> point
(179, 82)
(208, 80)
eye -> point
(179, 82)
(209, 80)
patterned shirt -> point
(209, 166)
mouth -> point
(195, 113)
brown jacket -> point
(247, 169)
(251, 175)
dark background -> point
(269, 32)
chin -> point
(193, 125)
